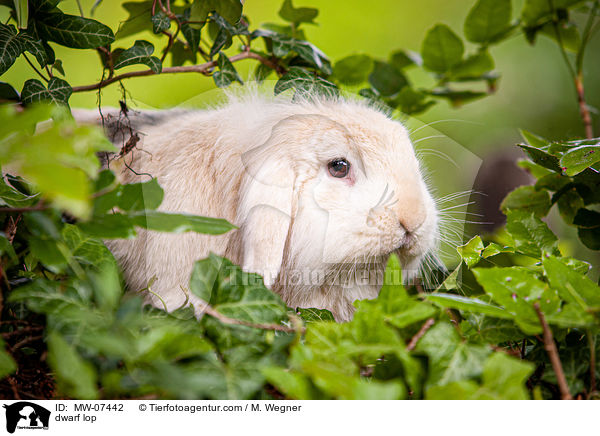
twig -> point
(583, 108)
(26, 341)
(23, 209)
(426, 326)
(552, 351)
(202, 69)
(7, 335)
(226, 320)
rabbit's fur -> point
(262, 164)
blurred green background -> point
(535, 91)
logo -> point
(26, 415)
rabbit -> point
(322, 190)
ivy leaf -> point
(487, 20)
(580, 158)
(230, 10)
(309, 315)
(139, 53)
(58, 91)
(531, 235)
(386, 79)
(297, 15)
(451, 359)
(353, 70)
(72, 31)
(471, 251)
(571, 285)
(527, 199)
(75, 376)
(226, 73)
(140, 196)
(140, 18)
(442, 49)
(515, 290)
(503, 378)
(160, 22)
(35, 47)
(304, 82)
(10, 47)
(469, 304)
(8, 93)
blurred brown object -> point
(498, 175)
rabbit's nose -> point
(412, 216)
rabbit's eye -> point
(339, 168)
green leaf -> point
(527, 199)
(403, 59)
(7, 363)
(503, 378)
(297, 15)
(234, 293)
(535, 11)
(515, 290)
(8, 93)
(493, 249)
(227, 72)
(571, 285)
(353, 70)
(304, 82)
(58, 91)
(10, 47)
(450, 358)
(487, 20)
(160, 22)
(530, 234)
(139, 53)
(568, 35)
(75, 376)
(22, 10)
(471, 251)
(180, 223)
(36, 47)
(386, 79)
(473, 68)
(140, 196)
(140, 16)
(72, 31)
(580, 158)
(314, 315)
(412, 102)
(230, 10)
(442, 49)
(458, 98)
(469, 304)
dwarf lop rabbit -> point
(322, 191)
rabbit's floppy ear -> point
(266, 205)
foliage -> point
(499, 339)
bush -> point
(527, 329)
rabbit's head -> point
(335, 190)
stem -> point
(202, 69)
(426, 326)
(35, 69)
(592, 342)
(552, 351)
(577, 75)
(583, 109)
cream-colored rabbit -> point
(322, 192)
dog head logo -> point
(26, 415)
